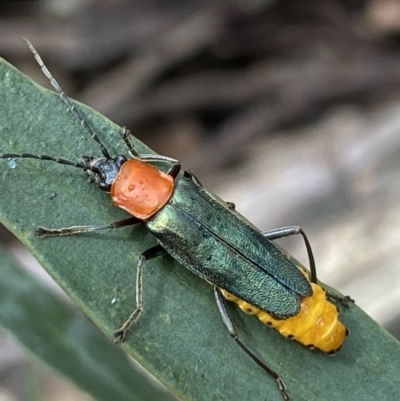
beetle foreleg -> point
(42, 232)
(124, 134)
(173, 170)
(175, 164)
(228, 322)
(151, 253)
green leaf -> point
(66, 340)
(179, 337)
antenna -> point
(66, 100)
(50, 158)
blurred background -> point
(289, 109)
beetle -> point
(211, 239)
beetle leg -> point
(42, 232)
(295, 230)
(124, 134)
(175, 164)
(151, 253)
(230, 205)
(174, 169)
(228, 322)
(345, 300)
(191, 176)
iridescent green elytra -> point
(221, 247)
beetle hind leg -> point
(344, 300)
(228, 322)
(295, 230)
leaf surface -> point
(179, 337)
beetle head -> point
(103, 171)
